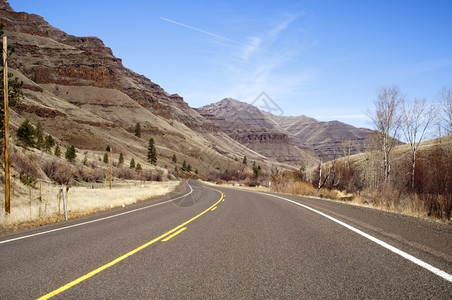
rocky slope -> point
(313, 139)
(84, 96)
(271, 143)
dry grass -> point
(44, 204)
(386, 199)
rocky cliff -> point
(83, 96)
(324, 140)
(48, 55)
(254, 129)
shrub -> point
(84, 174)
(124, 173)
(26, 167)
(150, 176)
(58, 171)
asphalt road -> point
(250, 245)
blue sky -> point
(325, 59)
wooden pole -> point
(6, 120)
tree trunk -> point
(413, 168)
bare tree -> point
(348, 146)
(387, 119)
(416, 118)
(446, 109)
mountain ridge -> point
(82, 95)
(308, 134)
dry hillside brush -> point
(361, 178)
(241, 176)
(363, 175)
(31, 166)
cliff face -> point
(253, 129)
(82, 95)
(48, 55)
(324, 140)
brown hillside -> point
(304, 137)
(252, 128)
(84, 96)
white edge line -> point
(405, 255)
(96, 220)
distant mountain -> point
(314, 139)
(254, 129)
(327, 139)
(83, 96)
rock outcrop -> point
(82, 95)
(48, 55)
(321, 140)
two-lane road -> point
(229, 244)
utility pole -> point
(6, 120)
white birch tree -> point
(446, 109)
(416, 118)
(386, 119)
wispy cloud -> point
(251, 48)
(261, 43)
(245, 69)
(204, 31)
(257, 67)
(282, 26)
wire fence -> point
(43, 203)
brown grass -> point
(384, 198)
(41, 205)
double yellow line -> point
(164, 237)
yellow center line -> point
(173, 235)
(213, 208)
(176, 229)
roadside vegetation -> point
(414, 177)
(42, 167)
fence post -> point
(64, 202)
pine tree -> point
(26, 134)
(256, 170)
(57, 152)
(49, 143)
(152, 154)
(184, 166)
(108, 148)
(121, 159)
(132, 163)
(39, 134)
(70, 153)
(105, 160)
(138, 130)
(174, 158)
(245, 162)
(138, 167)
